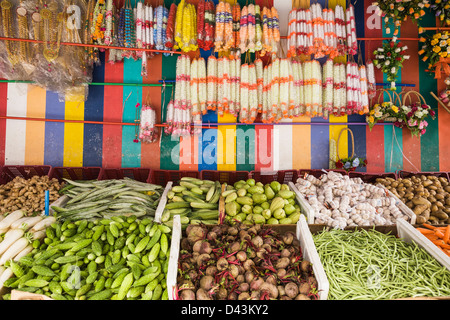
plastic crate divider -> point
(161, 177)
(138, 174)
(406, 174)
(319, 172)
(229, 177)
(9, 172)
(369, 177)
(75, 173)
(264, 176)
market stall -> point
(224, 150)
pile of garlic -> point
(339, 201)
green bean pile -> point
(370, 265)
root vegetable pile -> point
(28, 194)
(243, 262)
(428, 196)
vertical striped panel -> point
(170, 149)
(393, 136)
(208, 144)
(429, 145)
(264, 147)
(112, 112)
(16, 129)
(245, 148)
(74, 132)
(131, 151)
(93, 111)
(444, 128)
(301, 144)
(374, 137)
(152, 95)
(54, 131)
(35, 130)
(410, 74)
(3, 108)
(227, 156)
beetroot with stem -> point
(245, 256)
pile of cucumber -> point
(122, 258)
(194, 200)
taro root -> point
(282, 263)
(304, 288)
(302, 297)
(244, 296)
(202, 294)
(241, 256)
(195, 233)
(222, 264)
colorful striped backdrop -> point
(235, 148)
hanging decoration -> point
(389, 59)
(148, 132)
(441, 9)
(398, 11)
(435, 50)
(321, 32)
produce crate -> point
(282, 176)
(161, 177)
(406, 174)
(75, 173)
(407, 232)
(368, 177)
(9, 172)
(303, 234)
(162, 202)
(229, 177)
(318, 172)
(304, 205)
(410, 234)
(138, 174)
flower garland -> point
(389, 58)
(399, 11)
(436, 51)
(185, 27)
(442, 10)
(328, 87)
(148, 132)
(212, 81)
(170, 30)
(352, 43)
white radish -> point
(44, 223)
(14, 250)
(12, 237)
(5, 276)
(16, 224)
(10, 218)
(30, 222)
(2, 269)
(39, 234)
(24, 252)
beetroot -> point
(243, 262)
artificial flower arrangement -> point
(436, 50)
(351, 163)
(400, 10)
(389, 58)
(405, 115)
(442, 10)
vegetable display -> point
(428, 196)
(194, 200)
(253, 202)
(440, 236)
(122, 258)
(370, 265)
(340, 201)
(28, 194)
(107, 198)
(243, 262)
